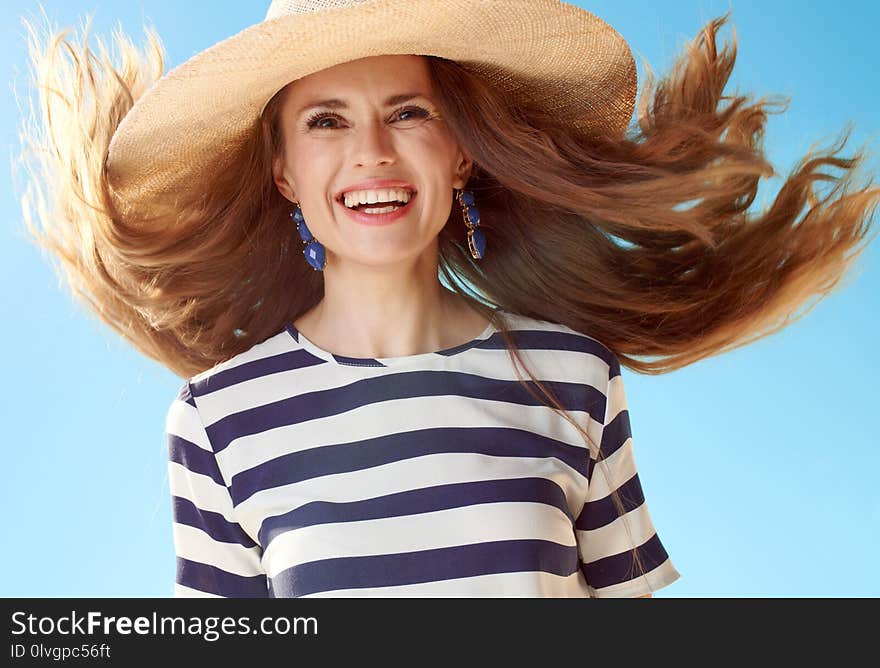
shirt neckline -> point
(402, 360)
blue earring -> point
(314, 249)
(476, 238)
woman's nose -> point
(373, 143)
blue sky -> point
(758, 466)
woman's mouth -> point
(378, 214)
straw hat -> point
(191, 121)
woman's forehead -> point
(372, 71)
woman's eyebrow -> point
(336, 103)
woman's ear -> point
(280, 181)
(463, 172)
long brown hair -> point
(641, 241)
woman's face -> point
(329, 148)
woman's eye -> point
(316, 120)
(419, 110)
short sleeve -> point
(605, 538)
(215, 556)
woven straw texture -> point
(192, 121)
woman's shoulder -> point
(519, 322)
(536, 333)
(257, 358)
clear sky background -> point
(760, 466)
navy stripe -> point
(296, 359)
(357, 361)
(214, 524)
(615, 433)
(613, 365)
(598, 513)
(535, 339)
(207, 578)
(386, 570)
(185, 394)
(413, 502)
(479, 343)
(621, 568)
(194, 458)
(393, 386)
(344, 457)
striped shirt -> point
(296, 472)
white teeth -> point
(384, 209)
(355, 197)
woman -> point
(356, 423)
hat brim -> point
(190, 122)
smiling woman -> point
(357, 422)
(382, 296)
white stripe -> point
(665, 574)
(200, 489)
(618, 467)
(196, 545)
(450, 527)
(616, 398)
(183, 420)
(493, 585)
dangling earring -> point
(476, 238)
(314, 250)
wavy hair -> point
(642, 241)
